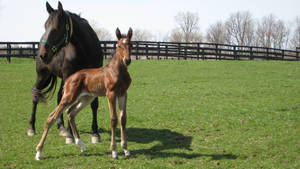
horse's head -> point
(58, 31)
(124, 46)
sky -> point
(23, 20)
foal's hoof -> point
(38, 156)
(63, 132)
(31, 132)
(114, 155)
(127, 153)
(95, 139)
(69, 140)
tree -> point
(188, 29)
(142, 35)
(240, 28)
(295, 41)
(216, 33)
(272, 33)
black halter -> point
(66, 39)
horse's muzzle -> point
(43, 56)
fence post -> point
(251, 53)
(167, 51)
(33, 51)
(217, 52)
(234, 53)
(137, 51)
(282, 54)
(158, 50)
(198, 51)
(178, 57)
(268, 54)
(8, 52)
(185, 52)
(147, 54)
(297, 52)
(105, 57)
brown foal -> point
(84, 86)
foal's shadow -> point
(167, 140)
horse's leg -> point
(41, 82)
(122, 100)
(60, 121)
(51, 119)
(73, 111)
(113, 123)
(95, 136)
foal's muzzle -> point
(128, 61)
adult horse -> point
(69, 44)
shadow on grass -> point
(168, 140)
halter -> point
(66, 39)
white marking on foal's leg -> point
(38, 155)
(80, 144)
(114, 154)
(127, 153)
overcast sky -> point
(23, 20)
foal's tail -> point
(45, 94)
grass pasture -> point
(181, 114)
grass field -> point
(181, 114)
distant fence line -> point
(168, 50)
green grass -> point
(181, 114)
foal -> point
(84, 86)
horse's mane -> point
(77, 17)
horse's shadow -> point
(167, 140)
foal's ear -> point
(60, 8)
(49, 8)
(129, 34)
(118, 34)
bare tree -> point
(176, 36)
(188, 29)
(240, 28)
(102, 33)
(142, 35)
(216, 33)
(272, 33)
(295, 40)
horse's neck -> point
(117, 65)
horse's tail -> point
(44, 95)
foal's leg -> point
(122, 113)
(113, 124)
(51, 119)
(60, 121)
(73, 111)
(95, 136)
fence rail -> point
(168, 50)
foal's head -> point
(124, 46)
(58, 30)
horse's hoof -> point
(83, 150)
(114, 155)
(127, 153)
(38, 156)
(31, 132)
(63, 132)
(95, 139)
(69, 140)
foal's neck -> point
(117, 63)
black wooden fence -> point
(168, 50)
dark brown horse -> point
(69, 44)
(84, 86)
